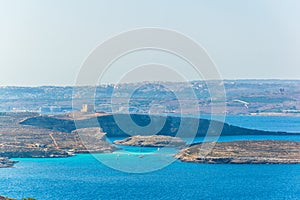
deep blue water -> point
(84, 177)
(267, 123)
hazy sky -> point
(45, 42)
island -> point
(243, 152)
(151, 141)
(172, 126)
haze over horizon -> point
(46, 42)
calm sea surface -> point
(84, 177)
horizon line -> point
(239, 79)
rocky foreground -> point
(151, 141)
(23, 141)
(4, 198)
(5, 163)
(243, 152)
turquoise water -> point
(84, 177)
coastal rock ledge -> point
(151, 141)
(243, 152)
(5, 163)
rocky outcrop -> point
(5, 163)
(6, 198)
(243, 152)
(151, 141)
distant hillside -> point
(170, 128)
(259, 97)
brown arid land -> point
(243, 152)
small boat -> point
(71, 152)
(141, 156)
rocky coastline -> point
(6, 163)
(29, 135)
(151, 141)
(23, 141)
(243, 152)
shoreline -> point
(7, 162)
(242, 152)
(234, 152)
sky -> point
(46, 42)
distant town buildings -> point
(50, 110)
(54, 109)
(88, 108)
(243, 97)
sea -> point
(86, 177)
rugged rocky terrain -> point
(151, 141)
(5, 163)
(6, 198)
(243, 152)
(19, 140)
